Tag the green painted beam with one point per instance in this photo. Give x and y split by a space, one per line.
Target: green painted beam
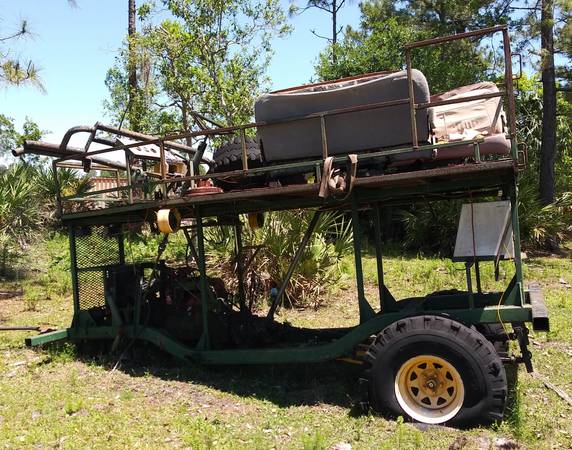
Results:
46 338
344 345
303 354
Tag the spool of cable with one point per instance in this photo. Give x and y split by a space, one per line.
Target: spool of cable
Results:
168 220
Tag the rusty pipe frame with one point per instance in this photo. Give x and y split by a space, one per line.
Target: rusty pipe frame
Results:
321 115
145 138
509 85
454 101
412 105
456 37
55 151
508 81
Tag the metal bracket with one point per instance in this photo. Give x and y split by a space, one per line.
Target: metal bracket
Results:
522 157
522 336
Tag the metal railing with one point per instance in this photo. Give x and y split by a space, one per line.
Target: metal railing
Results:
168 142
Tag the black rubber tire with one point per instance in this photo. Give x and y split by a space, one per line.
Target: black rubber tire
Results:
228 156
468 351
495 333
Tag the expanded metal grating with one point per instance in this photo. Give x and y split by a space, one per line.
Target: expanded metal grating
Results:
96 248
90 289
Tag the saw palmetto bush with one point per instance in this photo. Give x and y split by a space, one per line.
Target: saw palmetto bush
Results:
273 247
318 268
70 181
431 227
540 224
27 206
19 212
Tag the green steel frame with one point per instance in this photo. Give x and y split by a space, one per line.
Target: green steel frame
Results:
512 306
480 179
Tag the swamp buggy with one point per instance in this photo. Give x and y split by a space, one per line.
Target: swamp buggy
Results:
361 143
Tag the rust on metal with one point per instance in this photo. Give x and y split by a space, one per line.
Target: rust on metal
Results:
455 37
458 100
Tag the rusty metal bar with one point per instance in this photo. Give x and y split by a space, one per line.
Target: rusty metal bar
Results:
321 83
509 86
89 140
324 137
20 328
455 37
239 266
412 114
244 153
458 100
310 164
163 168
142 137
379 255
229 130
101 191
57 186
54 151
496 118
129 183
350 109
71 132
477 152
117 181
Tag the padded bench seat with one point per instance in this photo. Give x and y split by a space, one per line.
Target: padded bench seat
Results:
346 133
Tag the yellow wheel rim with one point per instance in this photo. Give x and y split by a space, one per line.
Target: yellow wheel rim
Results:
429 389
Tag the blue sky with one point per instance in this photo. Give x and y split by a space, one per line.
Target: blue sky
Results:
74 47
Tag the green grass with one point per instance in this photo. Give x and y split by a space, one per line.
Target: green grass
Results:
53 398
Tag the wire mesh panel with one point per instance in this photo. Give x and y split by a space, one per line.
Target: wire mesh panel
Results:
90 289
96 248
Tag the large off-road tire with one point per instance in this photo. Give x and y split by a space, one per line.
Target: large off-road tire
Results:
496 334
228 157
434 370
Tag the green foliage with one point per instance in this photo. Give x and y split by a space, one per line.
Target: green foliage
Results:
318 268
10 138
27 205
541 225
73 405
14 71
280 236
431 227
8 134
33 295
528 30
314 442
387 26
207 56
19 213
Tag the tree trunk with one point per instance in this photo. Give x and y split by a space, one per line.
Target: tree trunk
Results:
334 31
131 30
548 144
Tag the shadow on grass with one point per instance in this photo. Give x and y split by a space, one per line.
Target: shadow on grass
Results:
334 382
514 414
